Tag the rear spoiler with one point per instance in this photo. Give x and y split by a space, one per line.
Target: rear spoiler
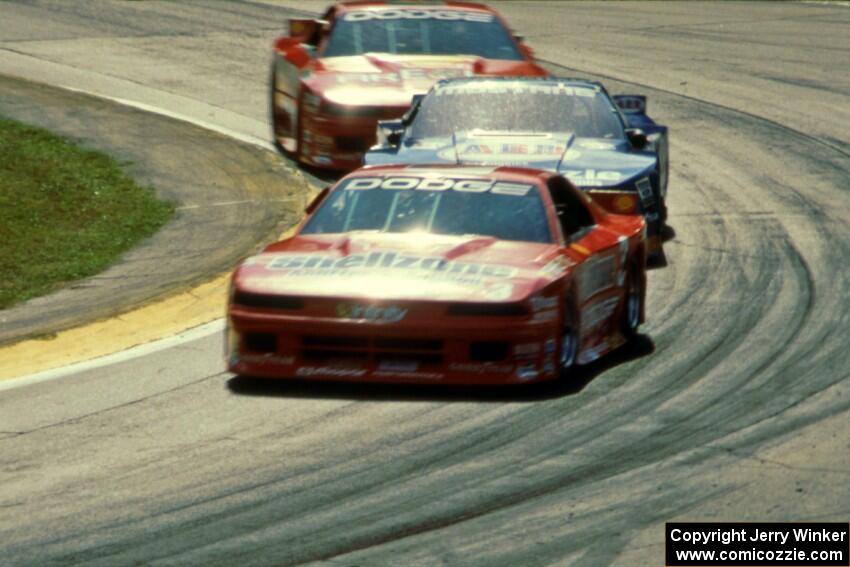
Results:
631 104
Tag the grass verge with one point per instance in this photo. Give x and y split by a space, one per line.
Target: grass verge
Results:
65 212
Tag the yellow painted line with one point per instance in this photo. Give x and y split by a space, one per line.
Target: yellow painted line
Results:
154 321
157 320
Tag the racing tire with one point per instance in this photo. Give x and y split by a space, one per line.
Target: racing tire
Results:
662 211
665 180
568 349
632 303
272 113
294 154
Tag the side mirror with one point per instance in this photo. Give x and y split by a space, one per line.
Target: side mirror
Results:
390 133
307 31
292 51
317 200
637 138
523 47
408 116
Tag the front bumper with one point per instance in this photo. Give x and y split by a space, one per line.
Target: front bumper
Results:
469 352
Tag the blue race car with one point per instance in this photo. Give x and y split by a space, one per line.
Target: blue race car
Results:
606 146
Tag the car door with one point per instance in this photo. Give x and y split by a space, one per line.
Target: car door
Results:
599 274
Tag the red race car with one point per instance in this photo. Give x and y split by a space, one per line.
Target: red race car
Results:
332 79
453 275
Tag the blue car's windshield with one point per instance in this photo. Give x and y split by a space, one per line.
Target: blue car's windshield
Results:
421 32
506 211
517 107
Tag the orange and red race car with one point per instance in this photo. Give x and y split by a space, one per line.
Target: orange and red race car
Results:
332 79
461 275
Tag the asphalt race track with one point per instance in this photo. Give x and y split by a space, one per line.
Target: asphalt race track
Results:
735 405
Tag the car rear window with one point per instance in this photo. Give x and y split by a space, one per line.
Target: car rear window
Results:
517 107
421 32
449 206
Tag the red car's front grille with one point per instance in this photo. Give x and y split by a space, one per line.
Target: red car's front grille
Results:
371 349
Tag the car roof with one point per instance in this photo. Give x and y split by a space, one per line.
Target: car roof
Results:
499 173
518 81
411 5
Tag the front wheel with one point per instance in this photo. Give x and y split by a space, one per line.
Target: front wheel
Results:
569 346
633 304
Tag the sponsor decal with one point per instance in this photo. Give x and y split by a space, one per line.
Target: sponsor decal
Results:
644 188
623 244
418 14
549 346
417 375
597 274
504 153
373 313
481 368
592 177
330 371
387 260
404 75
437 184
517 87
260 359
499 291
599 312
556 267
398 366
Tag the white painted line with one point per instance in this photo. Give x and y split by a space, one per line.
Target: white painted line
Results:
248 139
193 334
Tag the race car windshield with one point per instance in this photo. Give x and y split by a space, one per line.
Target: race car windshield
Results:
421 32
516 217
586 112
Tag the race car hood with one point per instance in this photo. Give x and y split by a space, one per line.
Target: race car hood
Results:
401 267
380 79
587 162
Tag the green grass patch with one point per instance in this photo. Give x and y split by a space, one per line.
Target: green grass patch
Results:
65 212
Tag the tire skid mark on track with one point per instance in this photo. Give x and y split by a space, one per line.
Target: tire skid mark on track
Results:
803 277
794 132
